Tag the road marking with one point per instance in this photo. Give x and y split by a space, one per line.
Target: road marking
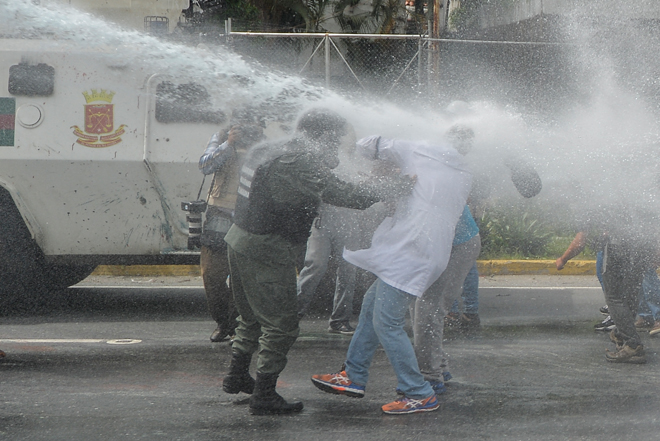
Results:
202 287
551 288
136 287
121 341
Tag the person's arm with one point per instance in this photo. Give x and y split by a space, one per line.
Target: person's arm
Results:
308 176
387 189
216 154
575 248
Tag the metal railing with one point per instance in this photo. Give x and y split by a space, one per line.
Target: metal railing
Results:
374 62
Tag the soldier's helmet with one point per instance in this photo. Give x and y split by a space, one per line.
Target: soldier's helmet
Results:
320 122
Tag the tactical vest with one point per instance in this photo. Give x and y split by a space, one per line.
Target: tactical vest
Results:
257 212
222 192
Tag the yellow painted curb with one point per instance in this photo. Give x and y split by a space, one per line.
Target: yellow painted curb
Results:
486 267
147 270
535 267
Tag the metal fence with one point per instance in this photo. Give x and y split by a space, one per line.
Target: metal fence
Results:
409 65
366 62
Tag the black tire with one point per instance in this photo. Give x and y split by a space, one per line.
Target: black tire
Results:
24 271
63 276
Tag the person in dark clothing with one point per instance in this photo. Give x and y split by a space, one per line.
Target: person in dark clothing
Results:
281 187
630 249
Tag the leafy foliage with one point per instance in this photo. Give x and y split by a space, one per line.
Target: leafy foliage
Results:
383 18
507 233
313 13
465 15
242 10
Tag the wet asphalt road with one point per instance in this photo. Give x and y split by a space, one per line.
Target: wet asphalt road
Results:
129 359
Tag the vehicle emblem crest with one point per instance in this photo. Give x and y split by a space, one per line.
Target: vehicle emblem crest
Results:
99 121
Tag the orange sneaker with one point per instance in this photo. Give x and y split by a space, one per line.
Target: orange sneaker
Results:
410 405
338 384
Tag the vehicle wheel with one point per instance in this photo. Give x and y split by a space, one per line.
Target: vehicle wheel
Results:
63 276
24 271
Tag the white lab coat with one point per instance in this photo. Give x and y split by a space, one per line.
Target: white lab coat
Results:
410 250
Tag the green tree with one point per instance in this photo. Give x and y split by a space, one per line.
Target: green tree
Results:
382 19
465 15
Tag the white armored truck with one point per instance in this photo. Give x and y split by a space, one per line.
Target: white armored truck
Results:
97 151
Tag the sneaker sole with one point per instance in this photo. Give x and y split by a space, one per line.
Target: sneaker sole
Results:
654 331
632 360
635 359
333 331
337 390
409 411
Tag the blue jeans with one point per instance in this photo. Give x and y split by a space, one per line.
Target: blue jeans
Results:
649 303
470 294
599 267
382 318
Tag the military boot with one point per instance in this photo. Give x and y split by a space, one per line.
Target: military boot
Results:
265 401
238 379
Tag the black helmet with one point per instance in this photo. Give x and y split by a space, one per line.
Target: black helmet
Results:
319 122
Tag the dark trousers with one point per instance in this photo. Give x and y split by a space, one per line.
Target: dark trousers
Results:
215 269
265 294
623 270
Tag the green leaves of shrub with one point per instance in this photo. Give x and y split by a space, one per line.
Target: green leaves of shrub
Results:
513 234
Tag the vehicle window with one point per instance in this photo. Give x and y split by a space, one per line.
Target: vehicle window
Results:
31 80
189 103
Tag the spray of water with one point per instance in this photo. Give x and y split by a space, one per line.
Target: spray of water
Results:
601 152
228 77
601 156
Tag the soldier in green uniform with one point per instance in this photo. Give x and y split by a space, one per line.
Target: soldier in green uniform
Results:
281 187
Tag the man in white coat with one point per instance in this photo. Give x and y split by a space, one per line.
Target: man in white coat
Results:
409 251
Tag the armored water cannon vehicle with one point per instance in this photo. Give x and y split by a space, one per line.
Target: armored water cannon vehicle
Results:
97 153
